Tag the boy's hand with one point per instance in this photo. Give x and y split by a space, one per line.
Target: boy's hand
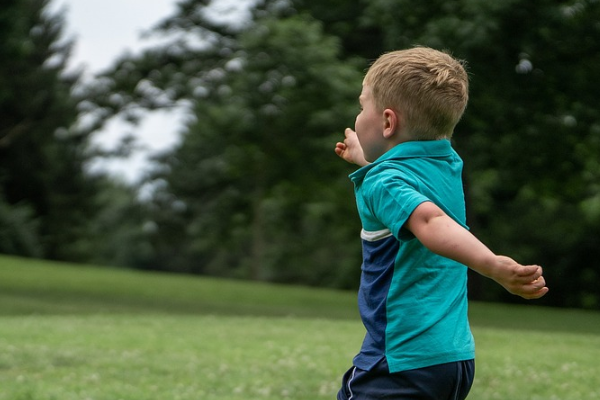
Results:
351 150
522 280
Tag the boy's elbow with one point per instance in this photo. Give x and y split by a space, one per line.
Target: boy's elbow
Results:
424 216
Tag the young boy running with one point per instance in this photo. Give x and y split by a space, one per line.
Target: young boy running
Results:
416 245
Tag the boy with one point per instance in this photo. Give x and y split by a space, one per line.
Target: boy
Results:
416 246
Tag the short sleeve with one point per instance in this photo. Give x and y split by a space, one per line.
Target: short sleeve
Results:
392 198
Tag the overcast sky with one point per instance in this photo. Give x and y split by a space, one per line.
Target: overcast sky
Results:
104 29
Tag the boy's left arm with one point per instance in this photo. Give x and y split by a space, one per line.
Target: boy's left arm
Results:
444 236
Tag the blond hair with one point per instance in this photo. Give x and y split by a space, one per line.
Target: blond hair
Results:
429 88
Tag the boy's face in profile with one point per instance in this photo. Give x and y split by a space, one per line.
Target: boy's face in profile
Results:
369 127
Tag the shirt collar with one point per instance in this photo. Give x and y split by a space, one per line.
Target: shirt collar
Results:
412 149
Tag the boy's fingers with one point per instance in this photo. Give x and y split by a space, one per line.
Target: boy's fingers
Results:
530 271
538 283
536 288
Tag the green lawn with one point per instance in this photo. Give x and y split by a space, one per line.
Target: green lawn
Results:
79 333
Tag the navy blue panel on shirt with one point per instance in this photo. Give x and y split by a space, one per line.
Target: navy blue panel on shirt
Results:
376 278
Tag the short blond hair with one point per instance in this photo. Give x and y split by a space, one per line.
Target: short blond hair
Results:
429 88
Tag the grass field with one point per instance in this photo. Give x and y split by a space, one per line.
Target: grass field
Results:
82 333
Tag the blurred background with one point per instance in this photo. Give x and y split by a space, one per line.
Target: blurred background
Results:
196 136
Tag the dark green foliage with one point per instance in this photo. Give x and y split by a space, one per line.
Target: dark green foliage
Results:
41 159
18 231
49 206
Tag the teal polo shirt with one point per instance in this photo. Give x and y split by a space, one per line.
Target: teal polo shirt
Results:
413 302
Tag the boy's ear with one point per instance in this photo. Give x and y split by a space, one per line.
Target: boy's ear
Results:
391 123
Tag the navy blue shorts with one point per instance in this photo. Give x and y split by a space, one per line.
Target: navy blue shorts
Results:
450 381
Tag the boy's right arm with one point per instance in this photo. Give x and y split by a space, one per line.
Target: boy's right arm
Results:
444 236
350 149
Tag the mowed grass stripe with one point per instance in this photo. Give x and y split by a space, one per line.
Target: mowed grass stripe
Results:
33 286
40 287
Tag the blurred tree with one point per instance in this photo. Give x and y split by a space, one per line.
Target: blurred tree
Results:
18 230
46 199
121 230
342 19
